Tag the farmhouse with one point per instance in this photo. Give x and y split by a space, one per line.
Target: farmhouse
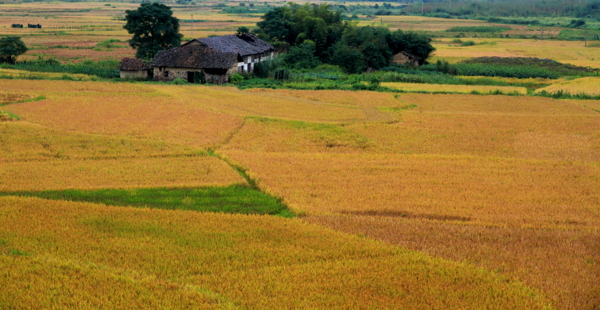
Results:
214 58
132 68
404 58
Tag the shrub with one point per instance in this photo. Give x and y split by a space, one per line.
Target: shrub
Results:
236 78
178 81
281 74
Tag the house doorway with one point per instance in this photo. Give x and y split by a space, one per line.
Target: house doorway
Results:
190 77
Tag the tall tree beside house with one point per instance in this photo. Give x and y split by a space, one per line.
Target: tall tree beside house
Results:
154 28
10 49
294 24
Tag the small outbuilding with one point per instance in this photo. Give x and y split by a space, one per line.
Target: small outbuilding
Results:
405 58
132 68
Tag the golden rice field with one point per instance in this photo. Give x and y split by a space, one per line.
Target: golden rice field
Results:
158 258
124 110
572 52
587 85
481 171
477 170
564 263
465 89
21 74
406 200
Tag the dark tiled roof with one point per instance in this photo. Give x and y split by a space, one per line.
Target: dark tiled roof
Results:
409 55
133 64
194 57
243 45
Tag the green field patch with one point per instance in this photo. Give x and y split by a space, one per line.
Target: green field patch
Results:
478 29
232 199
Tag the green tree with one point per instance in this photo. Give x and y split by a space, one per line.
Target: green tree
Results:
10 49
411 42
371 42
301 56
242 30
350 59
154 28
294 24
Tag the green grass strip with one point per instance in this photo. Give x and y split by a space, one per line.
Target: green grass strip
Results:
232 199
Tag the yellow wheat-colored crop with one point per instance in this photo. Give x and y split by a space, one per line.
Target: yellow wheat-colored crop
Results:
266 104
585 85
533 255
573 52
123 110
489 191
92 255
117 173
23 141
414 87
336 97
29 74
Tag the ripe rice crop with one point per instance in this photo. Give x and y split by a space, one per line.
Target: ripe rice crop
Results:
562 263
338 97
490 191
293 136
465 89
220 260
24 141
117 173
264 104
585 85
21 74
573 52
124 110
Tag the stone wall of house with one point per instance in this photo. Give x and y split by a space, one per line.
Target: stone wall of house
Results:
139 74
167 74
401 59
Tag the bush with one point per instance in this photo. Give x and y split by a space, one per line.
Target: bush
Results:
236 78
521 72
301 56
178 81
281 74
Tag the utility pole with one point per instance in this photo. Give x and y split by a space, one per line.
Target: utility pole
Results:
422 4
192 27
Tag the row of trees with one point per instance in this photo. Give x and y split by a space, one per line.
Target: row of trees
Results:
315 34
